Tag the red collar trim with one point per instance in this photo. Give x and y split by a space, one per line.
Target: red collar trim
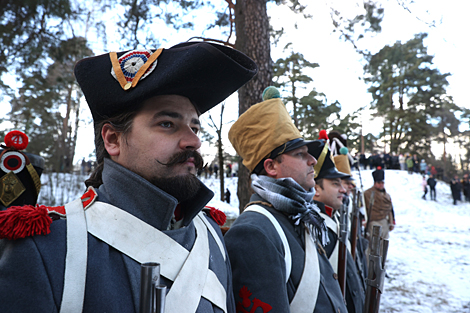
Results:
329 210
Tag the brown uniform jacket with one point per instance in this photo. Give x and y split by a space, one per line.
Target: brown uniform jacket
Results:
381 207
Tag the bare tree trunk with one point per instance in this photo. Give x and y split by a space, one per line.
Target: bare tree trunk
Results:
252 28
73 142
221 166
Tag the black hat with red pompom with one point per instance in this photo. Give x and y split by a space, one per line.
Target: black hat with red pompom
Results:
325 167
378 175
20 172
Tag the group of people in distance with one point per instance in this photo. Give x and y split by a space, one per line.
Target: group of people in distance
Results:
144 202
460 186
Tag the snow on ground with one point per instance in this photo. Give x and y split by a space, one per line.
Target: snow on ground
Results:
429 254
428 260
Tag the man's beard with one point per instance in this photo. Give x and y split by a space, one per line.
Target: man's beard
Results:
184 186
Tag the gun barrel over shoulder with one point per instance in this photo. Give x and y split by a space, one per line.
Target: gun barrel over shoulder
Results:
376 276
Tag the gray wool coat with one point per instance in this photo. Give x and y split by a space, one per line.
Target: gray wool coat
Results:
257 256
32 269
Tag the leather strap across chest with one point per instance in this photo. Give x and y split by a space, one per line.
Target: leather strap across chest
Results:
333 224
189 271
305 297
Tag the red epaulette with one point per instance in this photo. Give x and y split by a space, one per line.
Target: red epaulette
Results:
219 217
23 221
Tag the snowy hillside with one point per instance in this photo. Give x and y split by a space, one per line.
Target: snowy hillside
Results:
429 255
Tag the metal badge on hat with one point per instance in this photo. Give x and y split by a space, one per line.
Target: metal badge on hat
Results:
133 66
12 162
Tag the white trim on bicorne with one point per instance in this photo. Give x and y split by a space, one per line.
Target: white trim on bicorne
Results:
144 243
306 295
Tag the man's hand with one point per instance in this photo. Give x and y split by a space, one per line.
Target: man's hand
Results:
391 227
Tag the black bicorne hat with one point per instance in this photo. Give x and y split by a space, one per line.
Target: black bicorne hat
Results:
325 167
205 73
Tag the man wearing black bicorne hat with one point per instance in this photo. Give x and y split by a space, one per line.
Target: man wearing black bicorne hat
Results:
329 197
144 202
379 205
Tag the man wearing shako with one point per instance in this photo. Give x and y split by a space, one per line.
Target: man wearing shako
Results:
276 245
330 196
144 202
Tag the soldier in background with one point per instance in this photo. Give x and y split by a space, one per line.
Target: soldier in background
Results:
276 245
330 195
20 172
379 206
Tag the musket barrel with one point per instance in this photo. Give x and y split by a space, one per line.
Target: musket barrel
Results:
160 294
149 278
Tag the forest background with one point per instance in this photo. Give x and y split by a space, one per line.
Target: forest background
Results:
389 74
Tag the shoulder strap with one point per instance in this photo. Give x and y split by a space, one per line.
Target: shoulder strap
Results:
75 259
287 254
213 232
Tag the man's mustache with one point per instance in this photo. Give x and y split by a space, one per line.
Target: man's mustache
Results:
183 156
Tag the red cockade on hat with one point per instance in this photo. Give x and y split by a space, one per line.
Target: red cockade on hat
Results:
133 66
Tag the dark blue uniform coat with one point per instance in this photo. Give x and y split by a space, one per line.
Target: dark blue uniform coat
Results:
355 293
32 269
257 256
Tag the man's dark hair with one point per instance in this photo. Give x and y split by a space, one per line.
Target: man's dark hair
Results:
319 182
121 123
277 159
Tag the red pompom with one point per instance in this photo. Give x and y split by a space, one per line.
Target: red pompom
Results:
23 221
379 168
219 217
323 135
16 139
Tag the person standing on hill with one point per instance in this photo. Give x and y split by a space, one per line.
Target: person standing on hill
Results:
456 189
432 187
424 184
409 164
401 161
466 187
379 206
422 167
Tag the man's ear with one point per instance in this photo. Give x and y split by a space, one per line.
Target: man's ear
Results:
270 167
111 139
318 191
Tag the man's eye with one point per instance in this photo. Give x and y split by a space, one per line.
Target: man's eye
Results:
195 130
166 124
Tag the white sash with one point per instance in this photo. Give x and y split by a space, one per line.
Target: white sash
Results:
287 255
306 295
144 243
77 249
